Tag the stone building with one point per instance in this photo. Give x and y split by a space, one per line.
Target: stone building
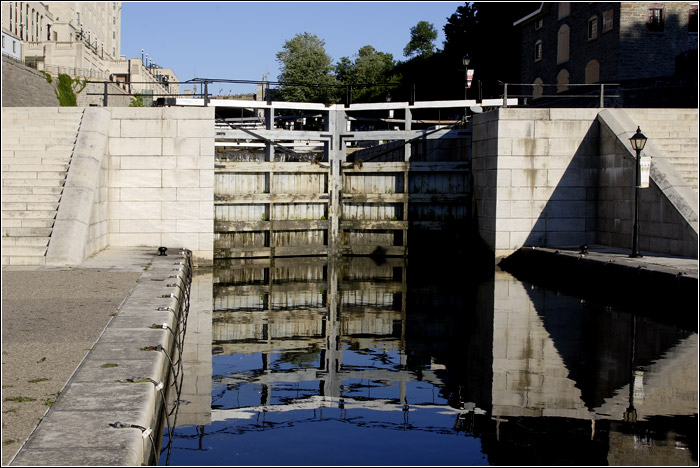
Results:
81 39
639 45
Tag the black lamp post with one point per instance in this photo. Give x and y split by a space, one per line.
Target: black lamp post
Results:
465 61
637 141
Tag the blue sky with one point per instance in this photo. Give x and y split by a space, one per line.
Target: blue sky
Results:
240 40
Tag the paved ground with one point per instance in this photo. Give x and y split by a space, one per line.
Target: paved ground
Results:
51 317
659 262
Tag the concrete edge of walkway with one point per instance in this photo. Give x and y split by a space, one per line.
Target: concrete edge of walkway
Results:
661 287
111 410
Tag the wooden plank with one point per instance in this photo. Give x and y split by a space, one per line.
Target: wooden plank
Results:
222 167
278 135
269 198
371 225
392 251
380 167
276 225
374 197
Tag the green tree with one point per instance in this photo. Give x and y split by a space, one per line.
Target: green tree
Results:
369 69
484 31
304 60
423 36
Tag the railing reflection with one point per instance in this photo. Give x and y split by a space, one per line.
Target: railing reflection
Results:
531 373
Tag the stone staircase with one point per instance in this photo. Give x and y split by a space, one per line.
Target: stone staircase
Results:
37 147
676 134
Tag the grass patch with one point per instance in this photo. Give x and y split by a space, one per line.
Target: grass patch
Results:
40 379
8 442
19 399
109 364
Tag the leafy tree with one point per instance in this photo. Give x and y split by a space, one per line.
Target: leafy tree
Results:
484 31
369 68
304 60
423 35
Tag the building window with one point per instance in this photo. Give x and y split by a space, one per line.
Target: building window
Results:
564 9
592 73
563 44
538 51
593 28
655 19
538 24
114 51
607 20
693 19
562 81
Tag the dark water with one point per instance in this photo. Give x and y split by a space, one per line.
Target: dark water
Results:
408 363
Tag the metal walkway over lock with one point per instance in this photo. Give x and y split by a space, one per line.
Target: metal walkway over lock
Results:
305 179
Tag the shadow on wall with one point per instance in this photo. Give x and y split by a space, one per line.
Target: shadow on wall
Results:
568 217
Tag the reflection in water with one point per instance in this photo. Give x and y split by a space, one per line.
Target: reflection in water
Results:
360 363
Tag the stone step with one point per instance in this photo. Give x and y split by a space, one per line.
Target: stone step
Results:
29 206
32 198
31 175
25 241
29 190
34 183
39 214
26 232
28 223
24 251
12 165
43 155
23 261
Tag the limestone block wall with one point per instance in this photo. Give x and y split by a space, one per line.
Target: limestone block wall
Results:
668 208
161 179
530 378
534 177
93 95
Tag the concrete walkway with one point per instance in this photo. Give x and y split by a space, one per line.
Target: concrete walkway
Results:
51 318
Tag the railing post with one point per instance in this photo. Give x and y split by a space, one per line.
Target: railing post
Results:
602 95
104 96
206 93
505 94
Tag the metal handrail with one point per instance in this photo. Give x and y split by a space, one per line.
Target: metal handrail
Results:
601 93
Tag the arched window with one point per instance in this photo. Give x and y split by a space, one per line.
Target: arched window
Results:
562 81
592 72
537 88
563 44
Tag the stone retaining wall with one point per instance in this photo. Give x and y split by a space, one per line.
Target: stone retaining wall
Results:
25 87
161 178
554 177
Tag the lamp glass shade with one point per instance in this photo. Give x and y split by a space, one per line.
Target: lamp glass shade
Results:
465 60
638 140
